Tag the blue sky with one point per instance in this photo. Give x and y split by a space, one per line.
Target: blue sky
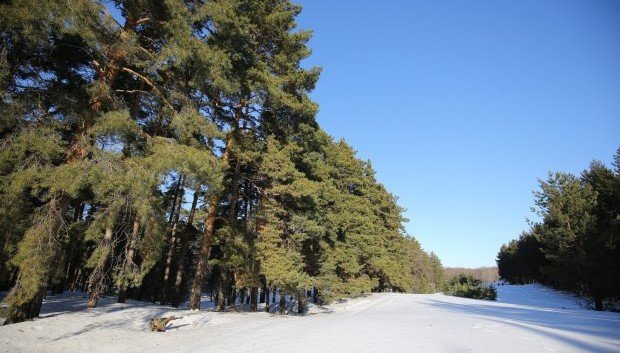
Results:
462 105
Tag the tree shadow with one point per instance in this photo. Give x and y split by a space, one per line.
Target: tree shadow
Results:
143 323
68 302
76 302
176 326
588 330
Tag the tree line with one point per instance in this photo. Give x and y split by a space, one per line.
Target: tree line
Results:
576 245
484 274
174 149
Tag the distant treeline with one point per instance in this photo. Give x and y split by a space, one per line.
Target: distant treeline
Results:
485 274
576 245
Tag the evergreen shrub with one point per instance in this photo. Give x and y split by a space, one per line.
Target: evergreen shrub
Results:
467 286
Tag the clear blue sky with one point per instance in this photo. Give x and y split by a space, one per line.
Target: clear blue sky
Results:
462 105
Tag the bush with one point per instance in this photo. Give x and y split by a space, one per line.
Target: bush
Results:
467 286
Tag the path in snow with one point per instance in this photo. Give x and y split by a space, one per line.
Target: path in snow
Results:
525 319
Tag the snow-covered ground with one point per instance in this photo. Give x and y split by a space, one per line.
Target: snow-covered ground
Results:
527 318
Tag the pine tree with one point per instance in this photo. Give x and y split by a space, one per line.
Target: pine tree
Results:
30 32
283 225
566 205
266 88
601 243
575 246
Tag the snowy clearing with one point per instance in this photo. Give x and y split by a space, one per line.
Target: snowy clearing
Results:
527 318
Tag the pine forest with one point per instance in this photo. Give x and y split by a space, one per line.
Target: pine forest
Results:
177 153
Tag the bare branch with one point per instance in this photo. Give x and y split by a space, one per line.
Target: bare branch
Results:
149 83
130 91
143 20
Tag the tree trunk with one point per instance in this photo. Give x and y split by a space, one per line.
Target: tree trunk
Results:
69 269
232 292
282 302
205 244
131 250
175 199
77 273
253 298
192 211
242 295
221 291
175 213
264 296
178 282
301 301
234 195
203 255
95 283
267 300
232 219
64 262
232 299
75 281
26 311
598 303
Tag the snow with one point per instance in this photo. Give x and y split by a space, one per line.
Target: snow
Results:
528 318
